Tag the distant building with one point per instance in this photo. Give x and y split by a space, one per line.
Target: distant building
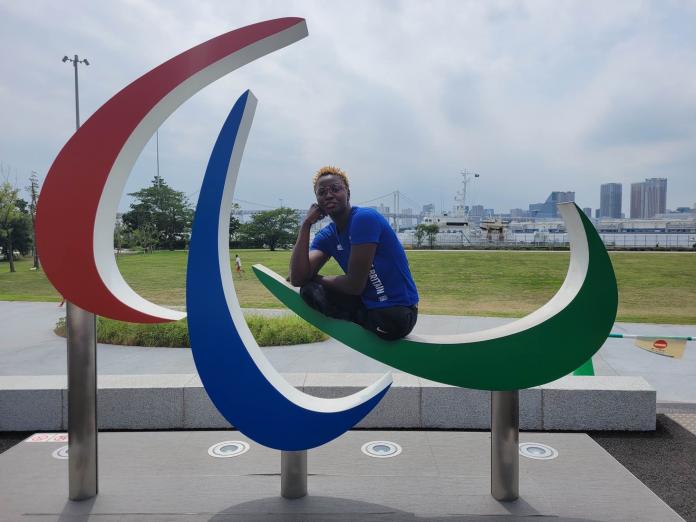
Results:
648 198
637 200
476 211
518 213
429 208
596 213
408 220
610 200
587 211
548 209
670 215
655 196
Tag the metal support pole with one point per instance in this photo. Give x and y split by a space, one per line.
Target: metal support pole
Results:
75 62
505 436
293 474
82 380
82 403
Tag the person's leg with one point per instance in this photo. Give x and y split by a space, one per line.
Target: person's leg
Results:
331 303
392 323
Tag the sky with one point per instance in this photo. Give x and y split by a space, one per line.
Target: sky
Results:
534 96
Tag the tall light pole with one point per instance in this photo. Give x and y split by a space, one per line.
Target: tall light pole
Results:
82 380
75 61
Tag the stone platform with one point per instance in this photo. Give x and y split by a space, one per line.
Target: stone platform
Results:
157 476
152 402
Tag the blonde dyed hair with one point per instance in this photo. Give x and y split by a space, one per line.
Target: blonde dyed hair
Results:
330 171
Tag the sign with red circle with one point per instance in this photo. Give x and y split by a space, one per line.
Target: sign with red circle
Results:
660 344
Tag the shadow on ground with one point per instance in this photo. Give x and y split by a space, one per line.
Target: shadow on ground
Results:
340 509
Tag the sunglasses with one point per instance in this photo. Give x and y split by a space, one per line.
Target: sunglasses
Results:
335 189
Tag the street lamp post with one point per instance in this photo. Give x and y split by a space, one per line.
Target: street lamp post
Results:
75 61
82 380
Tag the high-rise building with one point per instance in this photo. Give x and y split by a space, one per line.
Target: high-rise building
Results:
548 209
476 211
648 198
587 211
407 219
637 200
655 196
610 200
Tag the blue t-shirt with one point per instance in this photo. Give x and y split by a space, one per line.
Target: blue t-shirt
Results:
389 282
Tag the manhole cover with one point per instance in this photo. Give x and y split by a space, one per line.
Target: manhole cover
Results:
536 450
228 448
61 453
381 449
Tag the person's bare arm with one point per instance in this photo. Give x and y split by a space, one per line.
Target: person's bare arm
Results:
359 265
304 264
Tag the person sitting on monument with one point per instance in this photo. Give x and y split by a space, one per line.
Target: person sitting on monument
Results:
377 291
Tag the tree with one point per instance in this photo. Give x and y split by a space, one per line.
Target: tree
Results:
273 228
123 236
432 231
15 223
145 237
420 234
160 217
235 224
33 190
423 230
22 240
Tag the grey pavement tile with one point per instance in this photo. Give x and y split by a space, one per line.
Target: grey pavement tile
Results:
169 474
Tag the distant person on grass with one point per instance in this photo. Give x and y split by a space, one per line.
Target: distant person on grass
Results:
238 264
377 291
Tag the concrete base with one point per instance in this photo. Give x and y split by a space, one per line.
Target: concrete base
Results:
152 402
156 476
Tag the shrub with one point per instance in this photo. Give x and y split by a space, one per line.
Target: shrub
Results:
282 331
268 331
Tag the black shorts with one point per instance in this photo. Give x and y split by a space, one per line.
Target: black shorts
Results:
390 323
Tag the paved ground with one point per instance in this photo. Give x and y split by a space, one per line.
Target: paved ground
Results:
29 347
147 476
664 460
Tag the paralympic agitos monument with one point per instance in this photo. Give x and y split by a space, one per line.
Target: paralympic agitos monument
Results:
92 169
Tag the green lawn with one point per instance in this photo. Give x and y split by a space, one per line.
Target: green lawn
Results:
653 287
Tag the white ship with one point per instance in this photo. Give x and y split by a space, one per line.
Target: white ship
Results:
472 229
